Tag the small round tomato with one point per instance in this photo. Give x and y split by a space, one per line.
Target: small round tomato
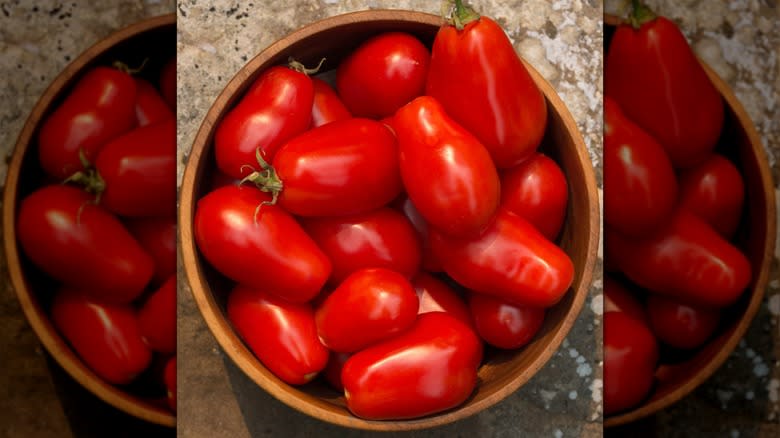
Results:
327 105
714 191
681 325
504 325
618 299
149 105
383 74
157 318
381 238
332 371
170 382
436 296
371 305
158 237
168 83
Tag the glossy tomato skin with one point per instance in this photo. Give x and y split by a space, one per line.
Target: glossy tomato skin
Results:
687 260
446 171
276 108
369 306
681 325
504 325
263 248
157 236
383 74
630 357
81 245
139 171
150 107
345 167
169 376
381 238
510 260
483 85
435 296
536 189
105 336
157 318
714 191
656 79
168 83
327 106
617 298
640 187
100 108
405 205
332 371
281 334
427 369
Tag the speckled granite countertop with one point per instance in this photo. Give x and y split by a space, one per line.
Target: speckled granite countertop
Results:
562 40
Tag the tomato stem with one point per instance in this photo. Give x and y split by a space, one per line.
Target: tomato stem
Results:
121 66
640 14
299 67
88 178
265 179
462 15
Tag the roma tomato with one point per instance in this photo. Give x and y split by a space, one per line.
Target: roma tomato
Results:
170 382
510 260
640 187
281 334
381 238
483 85
259 245
104 335
371 305
435 296
332 371
681 325
82 245
168 83
536 189
157 318
158 237
502 324
446 171
138 171
100 108
630 357
429 261
427 369
714 191
344 167
654 76
618 299
327 106
383 74
276 108
686 260
149 105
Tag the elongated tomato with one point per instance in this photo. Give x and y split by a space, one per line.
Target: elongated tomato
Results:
327 105
436 296
149 105
714 191
158 237
157 318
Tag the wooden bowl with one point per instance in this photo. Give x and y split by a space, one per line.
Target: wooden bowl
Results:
503 372
756 238
131 45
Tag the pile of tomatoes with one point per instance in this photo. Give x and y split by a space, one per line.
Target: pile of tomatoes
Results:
377 234
103 224
672 205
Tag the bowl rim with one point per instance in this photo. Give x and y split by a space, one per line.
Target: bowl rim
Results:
743 323
218 324
51 339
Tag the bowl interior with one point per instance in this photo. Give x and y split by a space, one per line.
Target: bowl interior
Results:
503 371
681 373
131 45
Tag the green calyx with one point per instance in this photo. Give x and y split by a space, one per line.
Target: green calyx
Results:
640 14
460 15
88 178
266 180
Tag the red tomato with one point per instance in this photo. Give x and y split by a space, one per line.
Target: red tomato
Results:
344 167
281 334
168 83
259 245
82 245
502 324
149 105
630 356
276 108
536 189
100 108
447 173
429 261
105 336
139 172
681 325
427 369
332 371
618 299
483 85
381 238
170 382
714 191
656 79
640 187
383 74
157 318
510 260
158 237
686 260
327 105
435 296
371 305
